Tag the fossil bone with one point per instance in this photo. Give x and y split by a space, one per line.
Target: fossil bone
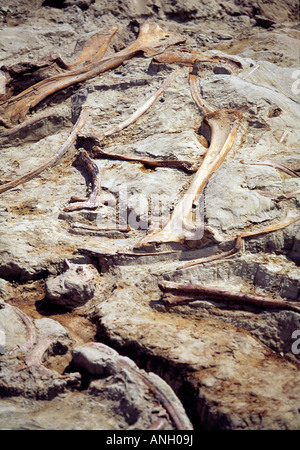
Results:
185 165
83 226
31 340
178 293
291 217
189 58
93 201
136 115
26 123
54 158
152 40
180 227
280 197
275 164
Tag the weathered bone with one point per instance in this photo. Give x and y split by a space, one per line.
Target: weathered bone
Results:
180 227
93 201
280 197
54 158
188 59
178 293
291 217
185 165
151 41
31 339
83 226
275 164
28 122
136 115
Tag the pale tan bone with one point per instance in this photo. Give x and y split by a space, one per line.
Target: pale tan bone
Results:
180 227
83 226
136 115
291 217
31 339
54 158
280 197
152 40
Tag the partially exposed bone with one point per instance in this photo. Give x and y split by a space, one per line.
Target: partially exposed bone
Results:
31 340
178 293
180 227
30 121
280 197
54 159
196 96
151 40
93 201
275 164
35 357
291 217
137 114
185 165
84 226
224 255
188 59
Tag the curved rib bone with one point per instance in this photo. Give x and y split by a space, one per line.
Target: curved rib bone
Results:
93 201
54 158
275 164
180 227
188 59
136 115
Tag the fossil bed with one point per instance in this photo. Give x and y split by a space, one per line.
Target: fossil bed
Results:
221 367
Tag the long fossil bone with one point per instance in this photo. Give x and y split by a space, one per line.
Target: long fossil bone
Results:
187 166
152 40
178 293
136 115
280 197
54 158
93 201
275 164
180 227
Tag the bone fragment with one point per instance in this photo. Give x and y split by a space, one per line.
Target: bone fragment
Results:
137 114
84 226
31 340
275 164
188 59
180 227
26 123
280 197
152 40
56 156
178 293
93 201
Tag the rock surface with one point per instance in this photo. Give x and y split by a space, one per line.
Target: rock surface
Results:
95 323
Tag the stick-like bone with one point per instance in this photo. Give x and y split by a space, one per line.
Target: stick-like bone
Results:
291 217
93 201
137 114
178 293
280 197
151 41
53 160
180 227
275 164
188 59
31 340
185 165
84 226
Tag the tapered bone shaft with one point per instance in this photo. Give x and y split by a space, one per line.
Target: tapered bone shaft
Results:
28 122
151 41
185 165
54 159
275 164
280 197
93 201
137 114
31 339
84 226
177 293
180 227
